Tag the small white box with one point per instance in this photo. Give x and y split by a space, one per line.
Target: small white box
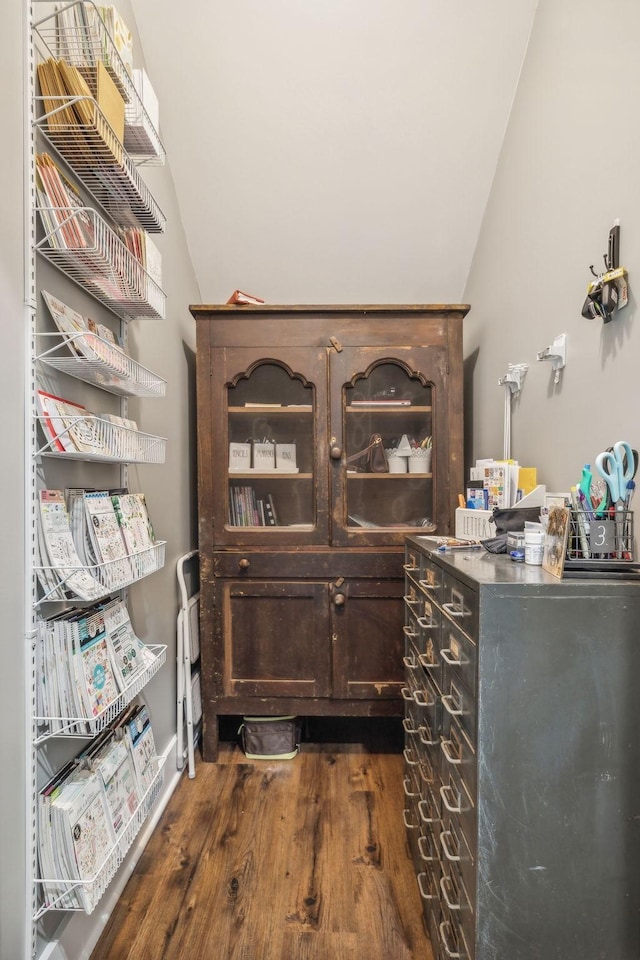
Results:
474 524
264 456
286 458
239 457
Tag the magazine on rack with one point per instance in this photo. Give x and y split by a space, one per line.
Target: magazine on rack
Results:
84 337
93 665
136 529
61 553
114 766
140 740
128 654
107 541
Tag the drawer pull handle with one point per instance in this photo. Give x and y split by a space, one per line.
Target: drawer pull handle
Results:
446 793
453 954
425 623
409 662
423 699
407 726
424 856
452 610
409 826
409 567
445 846
408 632
446 749
447 703
407 753
424 661
445 883
411 601
406 783
426 585
446 656
406 693
423 893
426 737
422 806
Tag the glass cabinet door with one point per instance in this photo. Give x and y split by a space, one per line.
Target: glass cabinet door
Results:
273 433
391 439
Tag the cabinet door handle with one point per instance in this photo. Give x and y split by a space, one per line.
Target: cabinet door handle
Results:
453 954
444 842
446 792
339 599
244 564
447 701
335 452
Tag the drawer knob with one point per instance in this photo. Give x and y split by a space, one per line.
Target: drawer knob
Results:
244 564
339 599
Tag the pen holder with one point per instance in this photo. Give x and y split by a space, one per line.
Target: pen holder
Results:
600 540
420 460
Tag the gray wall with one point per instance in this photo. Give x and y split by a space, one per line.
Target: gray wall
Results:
569 167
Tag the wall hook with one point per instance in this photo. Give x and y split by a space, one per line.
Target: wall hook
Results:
512 380
557 353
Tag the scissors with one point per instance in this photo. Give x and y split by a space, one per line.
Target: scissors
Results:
617 467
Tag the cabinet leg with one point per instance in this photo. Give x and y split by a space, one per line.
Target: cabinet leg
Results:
210 738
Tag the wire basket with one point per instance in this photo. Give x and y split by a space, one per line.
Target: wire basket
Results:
601 541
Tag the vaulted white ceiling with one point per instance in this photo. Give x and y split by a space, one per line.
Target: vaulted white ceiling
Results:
354 140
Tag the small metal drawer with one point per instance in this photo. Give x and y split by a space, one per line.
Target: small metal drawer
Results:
457 802
457 752
456 850
460 604
456 907
459 655
459 703
431 577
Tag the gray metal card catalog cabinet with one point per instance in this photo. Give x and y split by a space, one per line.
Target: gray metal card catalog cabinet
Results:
522 758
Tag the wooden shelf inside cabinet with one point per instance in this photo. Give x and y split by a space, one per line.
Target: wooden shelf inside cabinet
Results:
91 583
388 476
102 265
103 442
102 164
272 409
395 409
77 34
69 726
94 887
103 365
273 475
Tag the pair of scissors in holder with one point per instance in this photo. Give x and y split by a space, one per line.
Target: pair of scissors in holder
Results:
617 467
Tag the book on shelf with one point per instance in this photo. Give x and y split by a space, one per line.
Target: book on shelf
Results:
248 510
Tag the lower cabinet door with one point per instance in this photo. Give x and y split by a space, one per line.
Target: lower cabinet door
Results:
368 639
276 638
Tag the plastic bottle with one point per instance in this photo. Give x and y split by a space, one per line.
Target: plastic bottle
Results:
533 546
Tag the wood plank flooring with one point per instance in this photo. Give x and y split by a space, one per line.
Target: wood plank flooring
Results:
291 860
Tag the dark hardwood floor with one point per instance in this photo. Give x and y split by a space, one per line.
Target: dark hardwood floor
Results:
291 860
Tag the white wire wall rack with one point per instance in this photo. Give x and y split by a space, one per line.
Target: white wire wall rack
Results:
78 582
48 727
82 246
92 438
102 164
76 33
95 886
102 365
